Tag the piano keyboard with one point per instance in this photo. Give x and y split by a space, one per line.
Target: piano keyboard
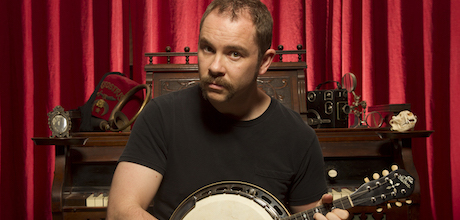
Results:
97 200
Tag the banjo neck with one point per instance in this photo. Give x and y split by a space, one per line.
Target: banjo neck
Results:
397 184
342 203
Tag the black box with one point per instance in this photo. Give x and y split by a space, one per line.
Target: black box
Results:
328 108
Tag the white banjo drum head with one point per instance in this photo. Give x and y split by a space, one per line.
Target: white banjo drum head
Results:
230 200
227 206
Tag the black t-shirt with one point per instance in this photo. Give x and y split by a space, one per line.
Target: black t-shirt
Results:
183 137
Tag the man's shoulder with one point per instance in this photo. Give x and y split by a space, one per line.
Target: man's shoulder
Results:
166 103
190 93
284 110
290 117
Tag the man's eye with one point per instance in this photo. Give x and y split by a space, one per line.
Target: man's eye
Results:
235 55
208 49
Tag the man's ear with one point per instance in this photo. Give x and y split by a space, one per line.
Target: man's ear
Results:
266 61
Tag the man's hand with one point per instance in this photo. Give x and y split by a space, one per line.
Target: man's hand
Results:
336 214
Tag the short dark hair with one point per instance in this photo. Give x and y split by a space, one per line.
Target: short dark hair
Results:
261 18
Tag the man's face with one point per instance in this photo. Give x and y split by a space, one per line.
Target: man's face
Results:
227 57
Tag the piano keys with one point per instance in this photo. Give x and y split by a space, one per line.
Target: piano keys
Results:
86 199
338 193
97 200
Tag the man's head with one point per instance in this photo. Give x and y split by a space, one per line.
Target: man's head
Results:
229 55
258 12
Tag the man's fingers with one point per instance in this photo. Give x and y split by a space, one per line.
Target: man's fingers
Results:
327 198
319 216
342 214
336 214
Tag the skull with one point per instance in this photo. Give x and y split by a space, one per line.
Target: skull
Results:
404 121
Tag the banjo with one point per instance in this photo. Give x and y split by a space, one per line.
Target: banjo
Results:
240 200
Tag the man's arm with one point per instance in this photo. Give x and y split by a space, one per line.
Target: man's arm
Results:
133 188
336 214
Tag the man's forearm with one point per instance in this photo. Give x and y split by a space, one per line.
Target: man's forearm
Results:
134 212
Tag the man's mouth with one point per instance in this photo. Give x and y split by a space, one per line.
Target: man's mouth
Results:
215 86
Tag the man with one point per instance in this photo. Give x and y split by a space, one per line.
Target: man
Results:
225 129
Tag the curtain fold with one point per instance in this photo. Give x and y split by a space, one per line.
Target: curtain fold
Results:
454 81
55 52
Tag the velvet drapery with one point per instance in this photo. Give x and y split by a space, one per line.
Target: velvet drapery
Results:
54 52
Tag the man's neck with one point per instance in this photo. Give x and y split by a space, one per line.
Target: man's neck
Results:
245 107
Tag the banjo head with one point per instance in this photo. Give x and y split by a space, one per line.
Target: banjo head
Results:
230 200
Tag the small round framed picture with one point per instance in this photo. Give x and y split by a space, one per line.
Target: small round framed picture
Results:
59 122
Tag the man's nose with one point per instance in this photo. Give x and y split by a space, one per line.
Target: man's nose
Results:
217 68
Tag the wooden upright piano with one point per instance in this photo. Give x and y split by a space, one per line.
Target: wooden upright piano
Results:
85 162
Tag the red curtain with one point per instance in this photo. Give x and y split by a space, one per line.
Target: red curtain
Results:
401 51
54 52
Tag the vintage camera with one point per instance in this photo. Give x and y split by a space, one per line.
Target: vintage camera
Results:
328 108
